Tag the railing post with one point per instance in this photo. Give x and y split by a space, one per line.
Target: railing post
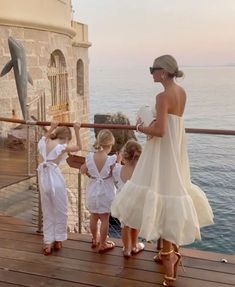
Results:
79 202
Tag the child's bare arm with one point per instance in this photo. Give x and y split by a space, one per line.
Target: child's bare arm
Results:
53 126
78 146
84 169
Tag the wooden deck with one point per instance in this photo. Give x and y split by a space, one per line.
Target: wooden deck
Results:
22 264
13 166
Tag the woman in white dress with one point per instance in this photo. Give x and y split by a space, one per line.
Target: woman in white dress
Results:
53 149
100 190
160 199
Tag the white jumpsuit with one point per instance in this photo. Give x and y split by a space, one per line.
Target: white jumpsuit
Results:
53 193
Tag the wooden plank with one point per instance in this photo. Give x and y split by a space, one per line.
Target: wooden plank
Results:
69 274
12 278
144 260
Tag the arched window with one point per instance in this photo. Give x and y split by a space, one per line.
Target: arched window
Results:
80 78
58 77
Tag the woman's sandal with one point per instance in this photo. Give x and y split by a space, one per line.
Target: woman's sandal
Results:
57 245
47 249
108 245
157 258
138 248
168 280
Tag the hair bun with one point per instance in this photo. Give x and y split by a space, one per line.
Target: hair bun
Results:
179 74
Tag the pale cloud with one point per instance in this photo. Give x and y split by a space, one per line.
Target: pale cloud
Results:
135 31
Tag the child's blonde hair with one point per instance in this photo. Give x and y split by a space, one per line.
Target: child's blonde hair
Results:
131 151
104 138
61 133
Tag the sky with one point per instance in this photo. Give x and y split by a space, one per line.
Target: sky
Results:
134 32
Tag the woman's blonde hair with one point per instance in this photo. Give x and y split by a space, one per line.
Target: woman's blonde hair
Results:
104 138
61 133
169 64
131 150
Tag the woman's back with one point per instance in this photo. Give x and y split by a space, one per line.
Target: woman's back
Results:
176 99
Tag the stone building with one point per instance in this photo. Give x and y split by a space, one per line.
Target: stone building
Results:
57 60
57 57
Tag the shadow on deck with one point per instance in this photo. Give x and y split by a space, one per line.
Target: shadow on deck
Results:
22 264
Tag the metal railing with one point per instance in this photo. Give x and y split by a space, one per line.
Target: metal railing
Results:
27 190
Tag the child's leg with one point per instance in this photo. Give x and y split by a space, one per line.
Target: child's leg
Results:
104 227
136 246
126 240
133 234
94 217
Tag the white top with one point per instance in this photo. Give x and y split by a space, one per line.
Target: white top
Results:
48 171
117 177
160 199
100 190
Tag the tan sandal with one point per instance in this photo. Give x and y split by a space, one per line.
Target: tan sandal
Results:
157 258
47 249
57 245
138 248
108 245
168 280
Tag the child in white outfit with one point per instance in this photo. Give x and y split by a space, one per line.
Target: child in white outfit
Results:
100 190
130 154
53 149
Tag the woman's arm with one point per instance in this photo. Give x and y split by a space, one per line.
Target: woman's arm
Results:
157 127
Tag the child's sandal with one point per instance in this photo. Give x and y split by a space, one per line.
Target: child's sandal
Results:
57 245
47 249
108 245
126 253
138 248
94 243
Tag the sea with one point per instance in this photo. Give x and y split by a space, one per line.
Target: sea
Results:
210 105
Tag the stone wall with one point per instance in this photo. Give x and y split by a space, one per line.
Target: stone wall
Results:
39 44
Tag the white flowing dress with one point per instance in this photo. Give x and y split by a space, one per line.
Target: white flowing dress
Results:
53 193
160 199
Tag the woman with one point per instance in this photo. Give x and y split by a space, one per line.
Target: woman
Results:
160 199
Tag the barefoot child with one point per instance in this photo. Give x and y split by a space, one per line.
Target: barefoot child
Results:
53 149
121 173
100 190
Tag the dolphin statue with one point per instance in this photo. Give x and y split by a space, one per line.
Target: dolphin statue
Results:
18 63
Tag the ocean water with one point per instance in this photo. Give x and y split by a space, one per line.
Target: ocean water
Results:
210 104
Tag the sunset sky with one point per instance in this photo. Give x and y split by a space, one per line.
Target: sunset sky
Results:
134 32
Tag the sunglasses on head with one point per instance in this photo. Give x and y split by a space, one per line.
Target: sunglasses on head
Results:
152 69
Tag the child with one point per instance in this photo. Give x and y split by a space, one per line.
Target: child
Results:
100 190
121 173
53 149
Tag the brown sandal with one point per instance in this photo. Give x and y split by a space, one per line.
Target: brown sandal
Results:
47 249
108 245
57 245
